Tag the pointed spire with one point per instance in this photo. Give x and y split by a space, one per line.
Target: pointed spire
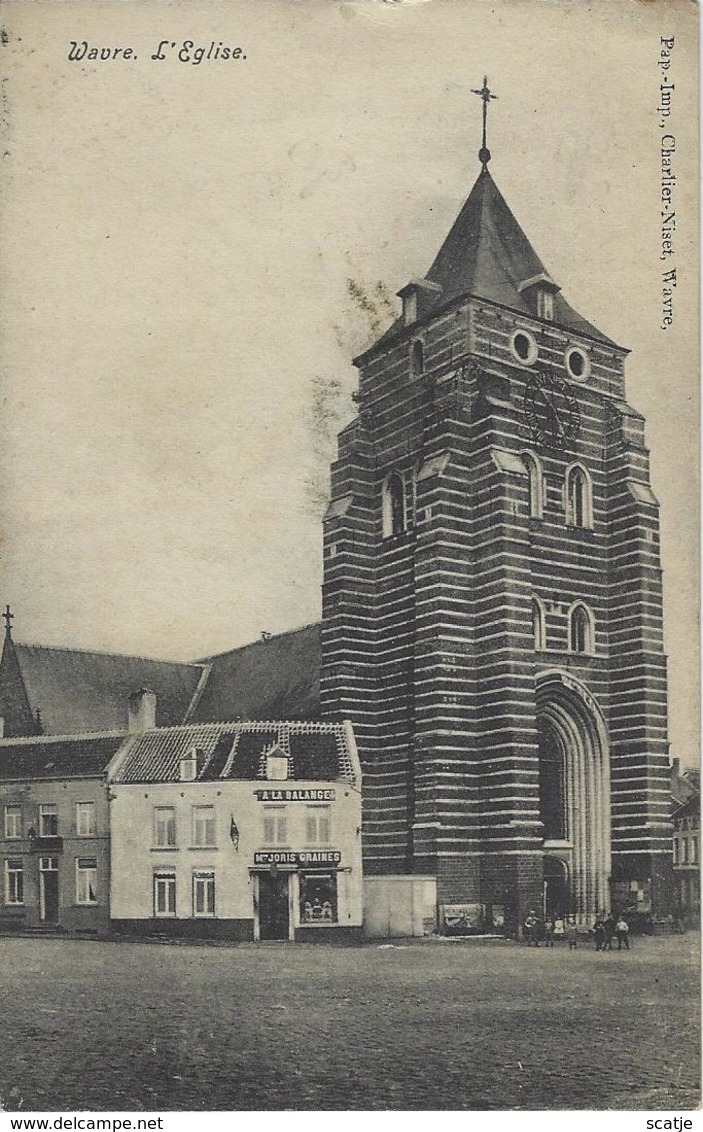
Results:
484 153
8 616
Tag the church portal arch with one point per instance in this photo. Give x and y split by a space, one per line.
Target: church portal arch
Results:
574 786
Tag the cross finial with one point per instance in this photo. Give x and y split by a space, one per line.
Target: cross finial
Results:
8 615
484 153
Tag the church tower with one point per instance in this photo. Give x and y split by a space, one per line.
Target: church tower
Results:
492 609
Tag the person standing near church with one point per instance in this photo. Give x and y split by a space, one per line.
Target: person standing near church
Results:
622 930
609 928
572 933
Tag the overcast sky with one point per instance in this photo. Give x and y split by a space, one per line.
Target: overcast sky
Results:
177 242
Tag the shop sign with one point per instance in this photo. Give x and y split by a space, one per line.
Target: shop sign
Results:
305 858
293 794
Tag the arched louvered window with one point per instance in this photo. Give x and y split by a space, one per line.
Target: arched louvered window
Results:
393 505
535 484
539 629
582 637
579 497
417 358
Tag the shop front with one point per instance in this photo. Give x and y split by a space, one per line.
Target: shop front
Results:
302 895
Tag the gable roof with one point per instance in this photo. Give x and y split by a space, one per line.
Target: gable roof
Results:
317 752
274 678
52 757
76 690
487 255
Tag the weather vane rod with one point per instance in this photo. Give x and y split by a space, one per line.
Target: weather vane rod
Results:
484 153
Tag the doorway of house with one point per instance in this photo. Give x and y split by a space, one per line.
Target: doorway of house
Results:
49 890
274 912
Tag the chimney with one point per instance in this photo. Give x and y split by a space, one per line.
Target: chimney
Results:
142 710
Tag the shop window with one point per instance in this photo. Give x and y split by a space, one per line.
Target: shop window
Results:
317 825
85 819
13 822
203 893
14 881
86 880
165 893
48 821
535 484
539 631
275 826
581 630
579 497
203 826
318 898
393 505
164 827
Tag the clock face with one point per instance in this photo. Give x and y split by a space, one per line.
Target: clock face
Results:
551 410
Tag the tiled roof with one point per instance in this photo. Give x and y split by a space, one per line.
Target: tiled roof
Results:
274 678
316 751
487 255
78 691
84 756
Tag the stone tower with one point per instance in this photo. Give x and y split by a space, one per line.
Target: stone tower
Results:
492 610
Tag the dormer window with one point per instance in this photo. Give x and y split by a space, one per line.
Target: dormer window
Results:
417 296
545 304
191 765
276 764
538 292
410 308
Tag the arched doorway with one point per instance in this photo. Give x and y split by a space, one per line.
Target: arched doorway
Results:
574 794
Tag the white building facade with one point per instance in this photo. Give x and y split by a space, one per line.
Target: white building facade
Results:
241 831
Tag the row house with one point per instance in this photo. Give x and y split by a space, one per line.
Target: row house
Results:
233 830
54 836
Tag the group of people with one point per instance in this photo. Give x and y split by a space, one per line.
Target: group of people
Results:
554 929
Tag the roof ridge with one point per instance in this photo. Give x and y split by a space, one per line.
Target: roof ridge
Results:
257 641
106 652
315 723
88 736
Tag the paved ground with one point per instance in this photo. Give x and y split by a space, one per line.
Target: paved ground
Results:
436 1025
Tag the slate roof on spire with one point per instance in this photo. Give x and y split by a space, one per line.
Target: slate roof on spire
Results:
487 255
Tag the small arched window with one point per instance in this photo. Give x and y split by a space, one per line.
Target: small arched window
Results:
393 505
579 497
535 478
582 637
417 358
539 629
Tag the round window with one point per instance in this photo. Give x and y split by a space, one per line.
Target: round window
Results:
577 363
524 347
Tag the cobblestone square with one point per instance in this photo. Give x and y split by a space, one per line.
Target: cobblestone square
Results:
430 1025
